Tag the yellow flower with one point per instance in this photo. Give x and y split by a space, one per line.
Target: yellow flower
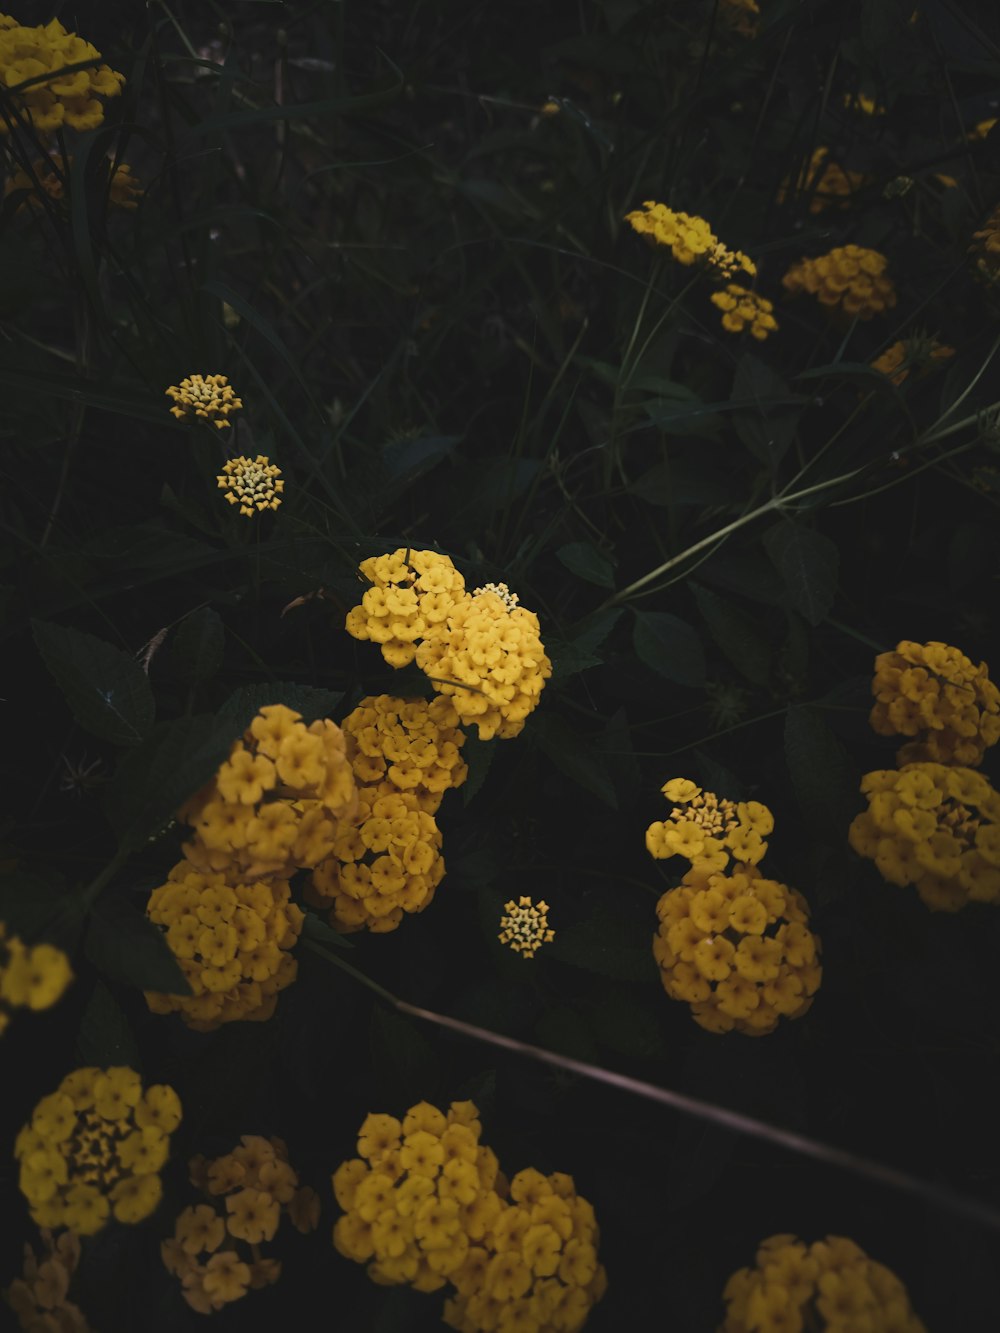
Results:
689 239
33 976
253 1215
226 1277
849 279
708 830
28 53
135 1197
250 483
918 353
745 309
411 594
827 184
526 926
208 398
408 745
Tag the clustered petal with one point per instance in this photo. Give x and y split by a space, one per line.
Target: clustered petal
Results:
936 827
411 594
709 830
69 99
426 1206
95 1147
406 745
689 239
209 398
831 1284
935 694
918 354
257 1184
250 483
39 1297
526 926
49 176
31 976
850 279
743 309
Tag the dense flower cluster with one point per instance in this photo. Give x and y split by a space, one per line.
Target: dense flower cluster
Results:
709 830
38 1297
32 976
830 1286
48 177
425 1204
258 1184
688 238
95 1146
487 657
826 182
849 278
738 948
743 309
252 483
917 354
936 827
386 862
407 745
934 693
233 943
412 593
64 98
985 247
276 803
209 398
526 926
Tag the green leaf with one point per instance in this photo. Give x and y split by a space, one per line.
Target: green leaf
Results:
315 928
124 944
607 943
737 634
670 646
570 656
106 689
573 756
769 429
706 477
824 778
105 1037
479 756
197 646
244 704
808 564
587 562
406 460
403 1056
35 906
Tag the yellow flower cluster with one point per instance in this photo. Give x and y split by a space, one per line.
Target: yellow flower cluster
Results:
708 830
250 483
849 278
412 593
231 941
95 1146
985 247
743 308
209 398
258 1184
488 657
934 693
917 354
32 976
385 863
425 1204
44 179
828 184
275 805
737 947
525 927
61 99
406 745
689 239
829 1285
38 1297
936 827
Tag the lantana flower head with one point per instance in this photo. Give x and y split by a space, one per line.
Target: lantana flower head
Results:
94 1148
487 657
39 1297
275 805
31 976
252 483
407 745
937 695
849 279
745 309
737 948
48 177
917 354
69 99
936 827
411 595
215 1248
690 239
827 184
829 1285
525 926
708 829
232 941
208 398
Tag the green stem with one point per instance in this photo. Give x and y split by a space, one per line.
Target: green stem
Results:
356 973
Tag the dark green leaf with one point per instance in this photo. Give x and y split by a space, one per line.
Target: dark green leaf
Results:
808 563
587 562
479 756
825 779
608 944
124 944
769 428
573 756
35 905
403 1056
106 689
243 704
670 646
579 652
105 1037
737 634
705 477
197 646
406 460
